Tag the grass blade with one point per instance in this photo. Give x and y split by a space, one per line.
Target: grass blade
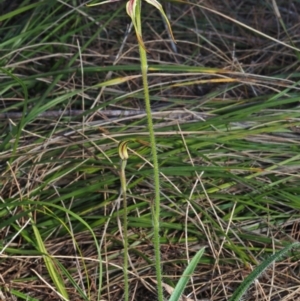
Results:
55 276
186 276
238 294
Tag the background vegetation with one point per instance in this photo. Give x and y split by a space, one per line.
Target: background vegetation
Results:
225 102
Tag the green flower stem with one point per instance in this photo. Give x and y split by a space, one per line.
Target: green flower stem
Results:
125 232
156 206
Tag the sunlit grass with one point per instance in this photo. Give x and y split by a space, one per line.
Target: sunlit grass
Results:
228 150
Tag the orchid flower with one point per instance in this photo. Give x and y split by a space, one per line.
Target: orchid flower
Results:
134 12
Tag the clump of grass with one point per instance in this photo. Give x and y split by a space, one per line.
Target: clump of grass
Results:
225 113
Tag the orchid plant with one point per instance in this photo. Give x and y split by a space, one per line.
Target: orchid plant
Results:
134 12
133 9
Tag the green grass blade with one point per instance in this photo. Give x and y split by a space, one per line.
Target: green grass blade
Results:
186 276
19 11
71 279
22 296
54 274
249 280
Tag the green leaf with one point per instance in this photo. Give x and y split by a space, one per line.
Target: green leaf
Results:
186 276
249 280
156 4
19 11
54 274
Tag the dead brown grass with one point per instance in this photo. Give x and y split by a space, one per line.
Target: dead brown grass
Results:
203 39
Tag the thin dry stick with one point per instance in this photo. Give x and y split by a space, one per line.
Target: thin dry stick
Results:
175 114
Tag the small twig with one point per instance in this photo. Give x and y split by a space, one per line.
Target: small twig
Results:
175 113
72 113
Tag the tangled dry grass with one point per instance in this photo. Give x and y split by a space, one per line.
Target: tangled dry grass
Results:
226 103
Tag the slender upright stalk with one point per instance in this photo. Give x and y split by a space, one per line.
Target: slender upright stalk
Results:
156 205
125 225
133 8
